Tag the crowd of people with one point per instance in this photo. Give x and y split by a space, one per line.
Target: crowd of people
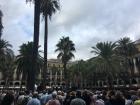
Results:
77 97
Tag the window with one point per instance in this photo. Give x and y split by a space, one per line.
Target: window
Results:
48 64
53 65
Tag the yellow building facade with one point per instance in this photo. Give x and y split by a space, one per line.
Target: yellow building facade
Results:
55 72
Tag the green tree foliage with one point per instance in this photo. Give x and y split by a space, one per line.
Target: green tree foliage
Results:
83 71
49 7
106 59
24 61
127 49
111 60
65 47
7 65
5 49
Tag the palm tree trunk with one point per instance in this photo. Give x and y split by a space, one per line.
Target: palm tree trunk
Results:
45 49
31 76
131 67
1 26
65 74
138 64
21 84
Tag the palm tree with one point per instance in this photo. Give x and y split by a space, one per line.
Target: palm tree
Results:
106 60
24 62
5 49
1 26
48 7
31 81
127 49
6 60
65 47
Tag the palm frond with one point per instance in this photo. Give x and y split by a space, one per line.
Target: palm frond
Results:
49 7
65 47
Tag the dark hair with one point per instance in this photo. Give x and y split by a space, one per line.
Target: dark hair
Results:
118 95
50 91
111 93
78 94
27 92
8 99
35 95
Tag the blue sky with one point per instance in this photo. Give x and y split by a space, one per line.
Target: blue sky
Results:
86 22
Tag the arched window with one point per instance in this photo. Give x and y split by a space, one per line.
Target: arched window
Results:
134 81
3 83
114 82
17 83
121 82
100 83
10 83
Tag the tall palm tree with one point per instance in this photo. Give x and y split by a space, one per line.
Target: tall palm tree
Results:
24 62
106 60
48 8
8 68
31 81
5 49
6 60
1 26
127 49
65 47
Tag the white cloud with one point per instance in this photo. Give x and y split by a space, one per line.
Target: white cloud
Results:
86 22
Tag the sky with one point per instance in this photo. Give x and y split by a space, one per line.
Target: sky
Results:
86 22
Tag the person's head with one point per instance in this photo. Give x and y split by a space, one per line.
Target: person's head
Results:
59 93
85 93
78 94
118 95
27 92
111 94
35 95
72 94
8 99
44 91
50 91
94 97
54 95
104 93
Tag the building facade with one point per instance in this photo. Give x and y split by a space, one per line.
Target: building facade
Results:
55 73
